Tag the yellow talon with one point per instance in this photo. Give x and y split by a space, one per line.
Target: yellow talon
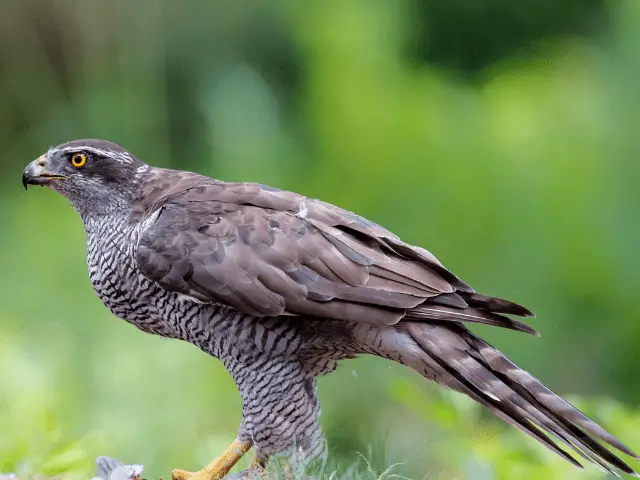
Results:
217 469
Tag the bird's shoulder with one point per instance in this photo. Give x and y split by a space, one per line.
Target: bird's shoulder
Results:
199 195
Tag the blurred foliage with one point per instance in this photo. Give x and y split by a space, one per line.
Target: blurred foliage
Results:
32 441
500 135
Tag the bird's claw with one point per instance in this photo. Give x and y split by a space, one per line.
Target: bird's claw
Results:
181 475
219 468
254 473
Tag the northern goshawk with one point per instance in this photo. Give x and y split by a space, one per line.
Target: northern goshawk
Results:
280 287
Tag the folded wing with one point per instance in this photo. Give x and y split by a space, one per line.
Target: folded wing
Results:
269 252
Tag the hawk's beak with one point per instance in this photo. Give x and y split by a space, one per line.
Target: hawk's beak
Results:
36 173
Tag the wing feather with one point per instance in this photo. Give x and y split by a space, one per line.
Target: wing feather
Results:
270 252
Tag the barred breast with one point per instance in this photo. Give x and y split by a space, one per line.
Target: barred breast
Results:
116 281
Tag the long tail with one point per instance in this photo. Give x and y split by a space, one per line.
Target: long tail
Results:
461 360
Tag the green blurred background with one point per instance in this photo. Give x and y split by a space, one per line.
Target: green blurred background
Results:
501 135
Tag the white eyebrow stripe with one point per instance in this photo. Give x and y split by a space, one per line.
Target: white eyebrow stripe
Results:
117 156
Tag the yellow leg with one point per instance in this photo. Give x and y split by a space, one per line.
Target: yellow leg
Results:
219 467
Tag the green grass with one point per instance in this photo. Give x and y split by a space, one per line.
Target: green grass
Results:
35 446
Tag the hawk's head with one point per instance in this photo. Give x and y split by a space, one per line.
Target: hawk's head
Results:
95 175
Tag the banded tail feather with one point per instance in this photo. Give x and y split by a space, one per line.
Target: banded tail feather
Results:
468 364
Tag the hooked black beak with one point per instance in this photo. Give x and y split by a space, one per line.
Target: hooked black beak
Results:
35 174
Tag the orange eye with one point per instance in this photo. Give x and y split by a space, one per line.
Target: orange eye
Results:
78 160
